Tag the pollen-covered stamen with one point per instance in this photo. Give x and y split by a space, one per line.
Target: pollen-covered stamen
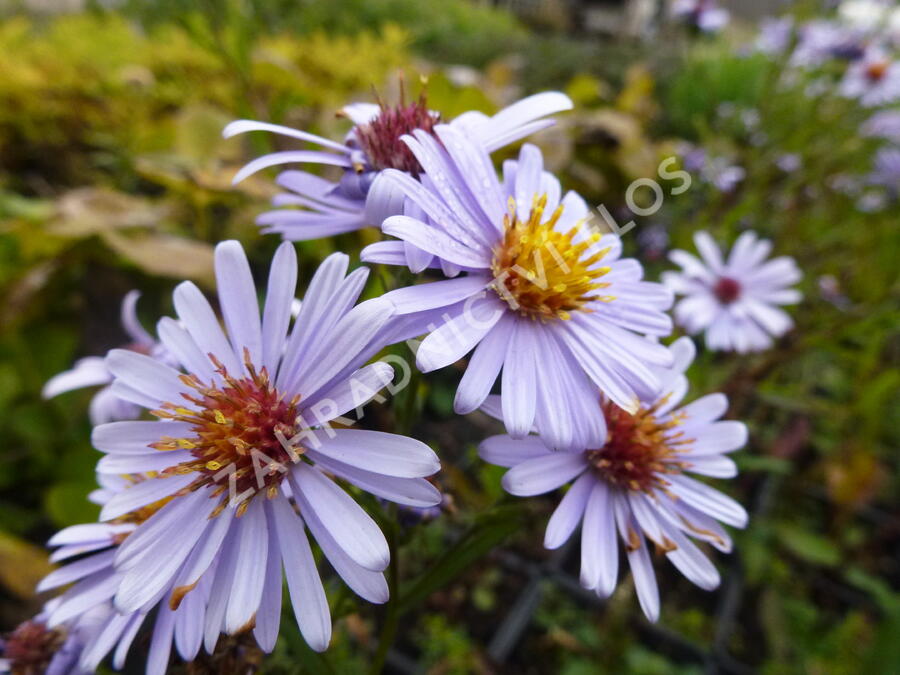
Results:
544 273
236 430
31 646
380 138
727 290
640 449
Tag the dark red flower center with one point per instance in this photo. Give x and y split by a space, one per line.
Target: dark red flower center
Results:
639 449
380 138
727 290
877 71
31 647
236 428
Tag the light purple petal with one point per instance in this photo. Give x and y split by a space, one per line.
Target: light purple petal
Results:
365 583
504 450
246 594
237 298
379 452
200 321
135 437
459 334
435 294
519 381
304 584
543 474
243 126
289 157
88 372
352 528
146 375
568 513
415 492
484 367
599 543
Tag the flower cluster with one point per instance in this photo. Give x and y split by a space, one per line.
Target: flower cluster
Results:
227 446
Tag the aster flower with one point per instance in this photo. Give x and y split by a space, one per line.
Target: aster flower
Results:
243 454
874 79
883 124
734 300
820 40
372 145
91 371
635 486
775 35
887 169
84 612
705 15
35 649
866 15
545 297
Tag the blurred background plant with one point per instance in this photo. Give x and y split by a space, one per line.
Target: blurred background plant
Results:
113 176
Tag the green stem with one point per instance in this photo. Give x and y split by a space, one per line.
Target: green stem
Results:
392 617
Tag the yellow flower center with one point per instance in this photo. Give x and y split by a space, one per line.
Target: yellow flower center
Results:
543 273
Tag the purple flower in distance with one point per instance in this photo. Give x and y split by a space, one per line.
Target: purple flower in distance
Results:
887 169
705 15
874 80
243 444
883 124
634 486
545 298
775 35
318 208
735 300
91 371
821 40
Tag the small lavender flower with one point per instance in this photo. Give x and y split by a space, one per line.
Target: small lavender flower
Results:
714 170
887 169
733 301
775 35
241 450
705 15
883 124
634 486
789 162
874 80
91 371
545 298
373 145
820 41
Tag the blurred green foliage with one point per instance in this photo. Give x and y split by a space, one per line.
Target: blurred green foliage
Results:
113 176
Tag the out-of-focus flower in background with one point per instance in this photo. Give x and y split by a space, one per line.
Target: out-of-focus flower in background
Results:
874 79
91 371
734 300
705 15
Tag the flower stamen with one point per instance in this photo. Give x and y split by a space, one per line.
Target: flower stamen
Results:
543 273
237 427
640 448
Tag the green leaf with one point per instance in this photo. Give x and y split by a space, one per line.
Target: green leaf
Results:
488 531
808 546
